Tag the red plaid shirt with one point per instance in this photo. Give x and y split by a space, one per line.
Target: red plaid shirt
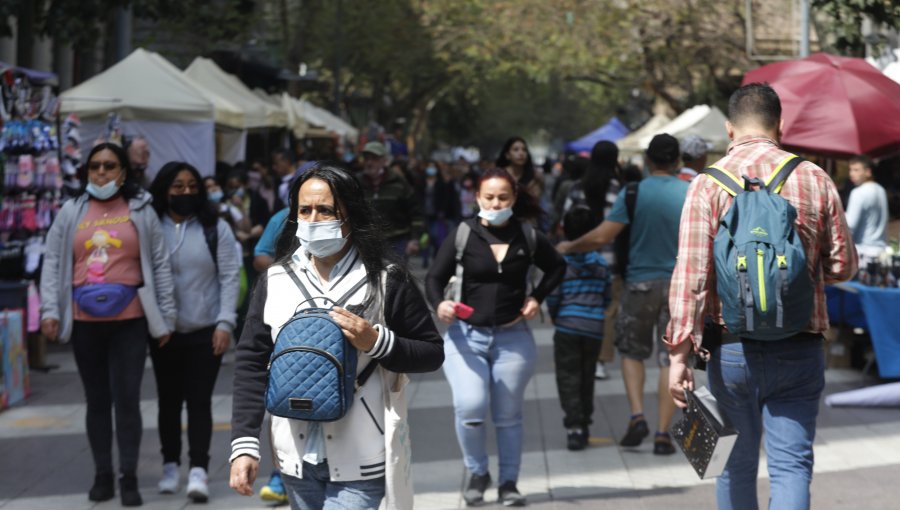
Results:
823 231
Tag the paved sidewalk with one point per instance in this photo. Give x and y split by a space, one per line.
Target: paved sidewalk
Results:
46 463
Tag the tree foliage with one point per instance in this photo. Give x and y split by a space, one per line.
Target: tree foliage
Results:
843 21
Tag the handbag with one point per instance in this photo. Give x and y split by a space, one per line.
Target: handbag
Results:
398 482
104 299
704 434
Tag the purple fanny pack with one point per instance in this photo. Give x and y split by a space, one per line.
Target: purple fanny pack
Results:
104 299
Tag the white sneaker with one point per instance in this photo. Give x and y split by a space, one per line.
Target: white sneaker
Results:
197 488
171 477
600 373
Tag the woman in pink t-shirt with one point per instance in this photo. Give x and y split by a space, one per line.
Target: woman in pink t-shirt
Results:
107 286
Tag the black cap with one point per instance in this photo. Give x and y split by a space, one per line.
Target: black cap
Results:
663 150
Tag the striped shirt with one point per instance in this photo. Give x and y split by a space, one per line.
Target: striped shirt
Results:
578 305
831 255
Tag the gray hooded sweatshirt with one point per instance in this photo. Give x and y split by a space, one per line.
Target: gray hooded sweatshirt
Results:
157 292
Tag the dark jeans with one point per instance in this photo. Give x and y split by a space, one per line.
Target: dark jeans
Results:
186 371
575 357
110 357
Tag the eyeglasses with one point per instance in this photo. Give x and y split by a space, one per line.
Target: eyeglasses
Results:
109 166
180 187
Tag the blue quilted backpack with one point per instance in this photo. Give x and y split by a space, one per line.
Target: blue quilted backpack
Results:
312 371
761 271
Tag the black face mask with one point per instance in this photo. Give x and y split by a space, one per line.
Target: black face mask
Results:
185 205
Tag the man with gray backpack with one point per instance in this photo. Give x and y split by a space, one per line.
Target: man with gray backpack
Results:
762 232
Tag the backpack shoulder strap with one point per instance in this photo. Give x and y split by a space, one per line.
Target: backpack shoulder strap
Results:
343 299
211 234
462 237
530 238
631 194
784 169
296 279
725 180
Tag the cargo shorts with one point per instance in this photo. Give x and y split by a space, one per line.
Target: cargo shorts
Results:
644 307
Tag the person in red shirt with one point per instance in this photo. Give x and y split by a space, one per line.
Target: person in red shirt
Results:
771 386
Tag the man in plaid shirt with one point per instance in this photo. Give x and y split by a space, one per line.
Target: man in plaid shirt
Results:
773 386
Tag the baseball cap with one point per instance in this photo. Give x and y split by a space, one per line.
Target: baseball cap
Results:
376 148
663 149
694 147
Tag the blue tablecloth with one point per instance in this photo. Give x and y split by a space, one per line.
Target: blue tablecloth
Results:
875 309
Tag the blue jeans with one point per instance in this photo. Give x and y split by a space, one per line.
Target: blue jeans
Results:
489 366
316 491
772 387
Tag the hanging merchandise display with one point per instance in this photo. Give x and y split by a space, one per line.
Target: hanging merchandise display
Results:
34 171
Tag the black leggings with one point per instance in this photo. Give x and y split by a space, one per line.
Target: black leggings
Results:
110 356
186 371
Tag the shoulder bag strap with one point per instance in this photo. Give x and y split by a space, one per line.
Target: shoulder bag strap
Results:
631 193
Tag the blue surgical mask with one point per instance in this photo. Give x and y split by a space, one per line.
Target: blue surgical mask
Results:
215 196
431 171
104 192
321 238
496 217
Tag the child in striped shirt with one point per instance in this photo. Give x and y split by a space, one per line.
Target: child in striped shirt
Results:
577 308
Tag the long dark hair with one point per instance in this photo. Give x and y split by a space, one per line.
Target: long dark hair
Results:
503 161
526 206
159 188
132 185
602 169
365 225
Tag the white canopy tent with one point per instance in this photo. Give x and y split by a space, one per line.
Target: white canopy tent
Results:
153 100
257 112
631 144
704 120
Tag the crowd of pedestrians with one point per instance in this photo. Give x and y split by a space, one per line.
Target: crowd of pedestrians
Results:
186 266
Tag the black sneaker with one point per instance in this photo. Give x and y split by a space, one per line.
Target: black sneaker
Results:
575 439
104 487
662 444
509 495
128 488
474 494
637 431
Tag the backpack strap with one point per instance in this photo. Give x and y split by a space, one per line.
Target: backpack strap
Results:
211 234
296 279
530 238
462 237
782 172
631 194
343 299
725 180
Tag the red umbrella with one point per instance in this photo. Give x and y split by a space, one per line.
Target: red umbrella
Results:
836 106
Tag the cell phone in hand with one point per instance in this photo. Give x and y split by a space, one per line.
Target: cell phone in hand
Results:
463 311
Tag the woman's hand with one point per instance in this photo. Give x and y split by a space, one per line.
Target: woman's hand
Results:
50 329
530 309
163 340
243 474
446 311
356 329
220 342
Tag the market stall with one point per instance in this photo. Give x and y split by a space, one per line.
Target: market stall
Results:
154 100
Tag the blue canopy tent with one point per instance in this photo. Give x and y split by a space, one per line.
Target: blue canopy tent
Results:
611 131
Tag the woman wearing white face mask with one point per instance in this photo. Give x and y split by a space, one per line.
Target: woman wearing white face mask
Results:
106 284
490 352
331 243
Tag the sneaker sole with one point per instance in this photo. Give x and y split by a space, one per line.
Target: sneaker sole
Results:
198 497
168 491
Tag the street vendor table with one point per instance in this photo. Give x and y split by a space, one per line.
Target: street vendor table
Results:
875 309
